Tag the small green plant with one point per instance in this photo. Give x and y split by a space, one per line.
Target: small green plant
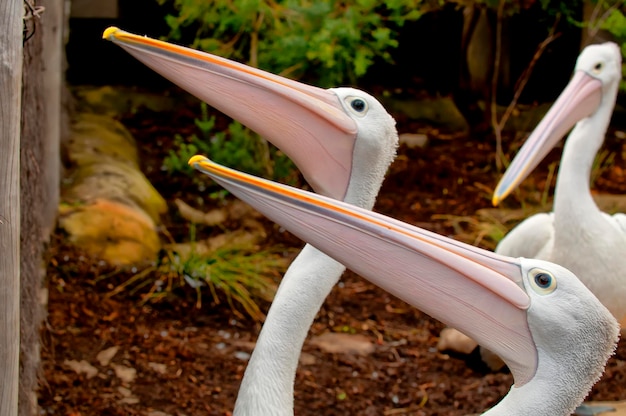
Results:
241 149
604 160
553 170
238 147
234 274
177 159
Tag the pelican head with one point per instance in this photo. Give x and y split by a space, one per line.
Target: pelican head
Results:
324 132
552 332
592 89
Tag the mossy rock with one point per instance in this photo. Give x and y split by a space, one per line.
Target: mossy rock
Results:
110 230
119 100
115 181
95 138
109 208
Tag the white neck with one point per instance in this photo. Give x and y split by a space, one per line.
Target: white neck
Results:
576 213
545 394
571 356
267 385
580 149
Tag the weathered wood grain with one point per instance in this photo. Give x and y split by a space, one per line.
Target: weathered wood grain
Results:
11 13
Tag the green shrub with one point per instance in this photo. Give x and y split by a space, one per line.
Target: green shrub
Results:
330 41
238 147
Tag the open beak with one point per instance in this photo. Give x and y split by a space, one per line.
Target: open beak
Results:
307 123
473 290
579 99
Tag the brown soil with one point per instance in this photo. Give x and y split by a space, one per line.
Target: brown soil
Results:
189 361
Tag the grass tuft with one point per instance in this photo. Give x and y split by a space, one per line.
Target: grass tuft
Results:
239 276
487 227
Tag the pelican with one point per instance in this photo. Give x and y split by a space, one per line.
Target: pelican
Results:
552 332
341 139
576 234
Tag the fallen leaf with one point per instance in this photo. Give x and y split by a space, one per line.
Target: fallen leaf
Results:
158 367
128 398
126 374
104 357
82 367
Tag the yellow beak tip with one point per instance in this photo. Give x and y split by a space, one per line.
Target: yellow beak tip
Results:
109 32
196 159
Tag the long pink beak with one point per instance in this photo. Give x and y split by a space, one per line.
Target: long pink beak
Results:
307 123
579 99
474 290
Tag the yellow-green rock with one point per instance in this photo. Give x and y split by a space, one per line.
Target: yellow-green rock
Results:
95 138
114 180
110 230
119 100
109 208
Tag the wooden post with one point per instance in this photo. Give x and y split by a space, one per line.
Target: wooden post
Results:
34 198
11 15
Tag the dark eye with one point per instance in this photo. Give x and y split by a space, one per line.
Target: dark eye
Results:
542 281
598 67
358 105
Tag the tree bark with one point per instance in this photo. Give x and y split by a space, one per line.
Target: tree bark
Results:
475 70
56 119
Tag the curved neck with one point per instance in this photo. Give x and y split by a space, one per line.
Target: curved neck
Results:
267 385
573 203
566 371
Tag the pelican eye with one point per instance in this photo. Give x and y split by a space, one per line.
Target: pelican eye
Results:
542 281
357 105
597 68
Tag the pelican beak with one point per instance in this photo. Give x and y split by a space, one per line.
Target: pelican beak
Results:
476 291
579 99
307 123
